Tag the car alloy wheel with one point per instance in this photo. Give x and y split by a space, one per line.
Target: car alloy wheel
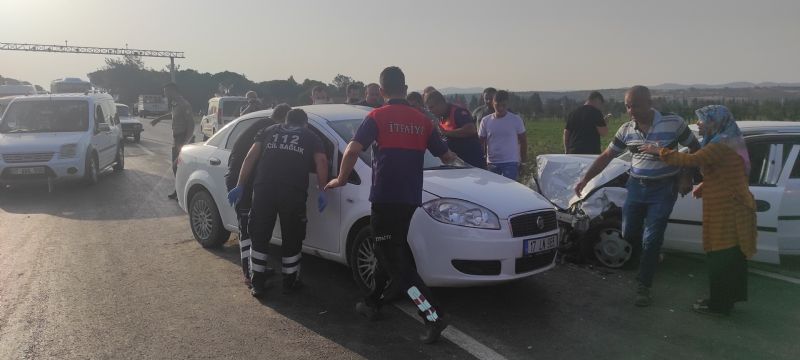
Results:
367 262
202 218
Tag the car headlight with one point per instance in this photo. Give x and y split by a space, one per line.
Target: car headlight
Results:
68 151
461 213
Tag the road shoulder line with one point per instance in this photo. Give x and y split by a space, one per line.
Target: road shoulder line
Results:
458 337
768 274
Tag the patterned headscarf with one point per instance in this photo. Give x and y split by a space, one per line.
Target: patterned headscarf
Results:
720 127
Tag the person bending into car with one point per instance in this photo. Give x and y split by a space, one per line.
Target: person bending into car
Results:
729 209
458 129
239 151
281 156
401 134
653 185
182 124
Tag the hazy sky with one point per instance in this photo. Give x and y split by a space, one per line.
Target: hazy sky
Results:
517 45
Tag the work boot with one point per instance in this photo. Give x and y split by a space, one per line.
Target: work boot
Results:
433 330
291 283
370 312
258 285
643 298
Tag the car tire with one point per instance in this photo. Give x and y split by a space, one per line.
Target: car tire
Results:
205 222
91 170
137 137
605 244
119 161
362 260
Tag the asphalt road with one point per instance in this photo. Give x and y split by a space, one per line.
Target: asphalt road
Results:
112 271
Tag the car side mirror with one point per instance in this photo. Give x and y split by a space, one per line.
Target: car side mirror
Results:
102 127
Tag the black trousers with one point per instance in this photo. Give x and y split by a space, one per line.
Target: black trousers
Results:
727 277
243 216
268 204
389 223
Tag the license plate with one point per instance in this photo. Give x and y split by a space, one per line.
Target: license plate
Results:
532 246
28 171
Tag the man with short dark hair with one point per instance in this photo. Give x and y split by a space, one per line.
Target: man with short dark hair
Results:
238 153
653 186
399 136
253 104
372 96
585 125
285 154
481 111
319 95
457 128
502 135
182 124
415 100
353 96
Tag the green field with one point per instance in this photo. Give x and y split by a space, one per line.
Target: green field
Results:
546 136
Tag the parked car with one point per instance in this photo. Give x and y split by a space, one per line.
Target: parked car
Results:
473 228
50 138
131 126
592 222
4 101
221 110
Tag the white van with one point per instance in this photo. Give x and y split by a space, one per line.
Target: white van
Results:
221 110
50 138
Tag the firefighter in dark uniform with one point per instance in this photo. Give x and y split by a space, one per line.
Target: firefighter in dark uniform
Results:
282 156
399 135
240 148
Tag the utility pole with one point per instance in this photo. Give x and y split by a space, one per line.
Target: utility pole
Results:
66 48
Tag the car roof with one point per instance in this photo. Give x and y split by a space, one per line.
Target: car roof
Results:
753 127
65 96
328 112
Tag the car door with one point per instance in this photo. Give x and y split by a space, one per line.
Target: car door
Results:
323 229
789 213
102 139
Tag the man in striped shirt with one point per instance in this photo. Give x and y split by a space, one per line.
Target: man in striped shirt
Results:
653 185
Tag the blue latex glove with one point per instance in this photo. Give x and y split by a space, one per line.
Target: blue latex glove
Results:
322 201
235 195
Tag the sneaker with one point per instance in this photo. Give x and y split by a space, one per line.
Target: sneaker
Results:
258 288
433 330
369 312
173 196
643 298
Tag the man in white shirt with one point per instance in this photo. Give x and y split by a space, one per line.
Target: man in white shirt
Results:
502 136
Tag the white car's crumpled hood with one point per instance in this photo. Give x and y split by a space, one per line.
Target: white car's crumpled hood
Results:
37 142
557 175
503 196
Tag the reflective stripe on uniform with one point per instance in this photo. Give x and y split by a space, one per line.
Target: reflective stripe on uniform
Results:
257 255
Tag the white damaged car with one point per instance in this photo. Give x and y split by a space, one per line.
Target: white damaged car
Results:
473 228
591 224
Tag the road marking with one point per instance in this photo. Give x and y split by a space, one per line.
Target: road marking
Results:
458 337
146 150
768 274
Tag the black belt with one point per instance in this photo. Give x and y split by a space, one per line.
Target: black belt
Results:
651 182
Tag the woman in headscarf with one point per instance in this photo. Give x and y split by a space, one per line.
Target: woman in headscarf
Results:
729 209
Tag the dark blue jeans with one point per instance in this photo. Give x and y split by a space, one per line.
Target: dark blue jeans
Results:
644 220
509 169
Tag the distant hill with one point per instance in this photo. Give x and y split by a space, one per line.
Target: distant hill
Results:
461 91
732 85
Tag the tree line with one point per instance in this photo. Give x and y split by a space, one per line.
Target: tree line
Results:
127 78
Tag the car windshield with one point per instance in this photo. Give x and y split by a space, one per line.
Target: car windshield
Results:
346 129
232 107
122 111
46 116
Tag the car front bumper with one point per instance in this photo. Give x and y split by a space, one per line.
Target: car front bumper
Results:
55 170
449 255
